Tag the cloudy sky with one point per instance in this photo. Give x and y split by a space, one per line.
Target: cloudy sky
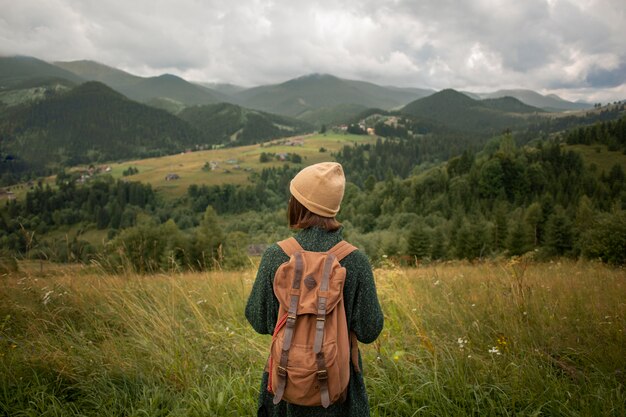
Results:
574 48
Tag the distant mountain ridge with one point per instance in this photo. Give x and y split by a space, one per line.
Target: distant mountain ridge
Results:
550 102
460 112
145 89
303 96
16 70
315 91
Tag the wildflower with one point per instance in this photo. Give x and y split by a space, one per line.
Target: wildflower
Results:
462 342
201 301
495 350
473 305
414 310
502 342
437 282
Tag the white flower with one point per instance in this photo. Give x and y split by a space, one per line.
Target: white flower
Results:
495 350
462 342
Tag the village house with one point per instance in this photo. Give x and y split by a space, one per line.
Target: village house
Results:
172 177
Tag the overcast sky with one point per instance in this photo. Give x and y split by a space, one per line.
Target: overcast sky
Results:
576 48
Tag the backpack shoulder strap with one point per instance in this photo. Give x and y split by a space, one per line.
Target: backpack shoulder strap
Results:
290 246
342 249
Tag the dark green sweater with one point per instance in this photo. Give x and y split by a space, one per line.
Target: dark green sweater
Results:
363 313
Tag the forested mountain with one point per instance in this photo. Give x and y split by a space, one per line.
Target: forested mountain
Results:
335 115
235 125
459 112
311 92
510 105
550 102
90 123
16 70
145 89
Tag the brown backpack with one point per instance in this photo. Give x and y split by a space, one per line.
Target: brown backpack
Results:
311 350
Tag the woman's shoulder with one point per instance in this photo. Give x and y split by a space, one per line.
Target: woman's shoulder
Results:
357 258
274 255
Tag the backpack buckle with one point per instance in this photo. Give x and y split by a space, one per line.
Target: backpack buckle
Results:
322 375
282 371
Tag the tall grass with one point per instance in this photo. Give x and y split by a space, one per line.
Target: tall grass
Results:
490 339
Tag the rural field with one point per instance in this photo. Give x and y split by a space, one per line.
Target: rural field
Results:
233 165
498 338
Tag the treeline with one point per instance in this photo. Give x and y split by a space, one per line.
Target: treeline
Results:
144 232
268 190
507 201
105 204
611 133
504 201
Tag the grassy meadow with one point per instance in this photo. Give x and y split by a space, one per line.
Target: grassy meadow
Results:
511 338
189 166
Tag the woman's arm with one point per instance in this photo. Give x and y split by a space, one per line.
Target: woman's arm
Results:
367 317
262 306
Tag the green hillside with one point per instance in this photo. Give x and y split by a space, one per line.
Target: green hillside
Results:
16 70
94 71
458 111
230 124
335 115
532 98
297 96
90 123
510 105
145 89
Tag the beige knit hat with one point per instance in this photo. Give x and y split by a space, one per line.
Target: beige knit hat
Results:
320 188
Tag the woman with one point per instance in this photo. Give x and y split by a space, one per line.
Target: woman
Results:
316 194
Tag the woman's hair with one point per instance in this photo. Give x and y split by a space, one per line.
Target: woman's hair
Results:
301 217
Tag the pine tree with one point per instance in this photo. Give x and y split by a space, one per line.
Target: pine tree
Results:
518 242
419 242
559 234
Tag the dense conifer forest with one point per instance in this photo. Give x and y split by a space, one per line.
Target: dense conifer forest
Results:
505 200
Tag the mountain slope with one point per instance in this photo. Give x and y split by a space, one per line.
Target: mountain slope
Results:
94 71
145 89
90 123
311 92
17 70
550 102
235 125
458 111
510 105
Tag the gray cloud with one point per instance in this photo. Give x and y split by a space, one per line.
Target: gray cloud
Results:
601 78
573 47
